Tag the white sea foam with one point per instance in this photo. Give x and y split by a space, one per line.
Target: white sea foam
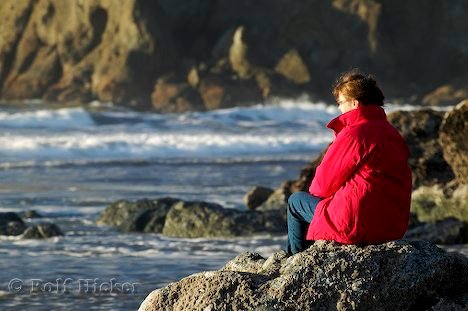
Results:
259 130
54 212
73 134
61 118
291 111
147 145
147 245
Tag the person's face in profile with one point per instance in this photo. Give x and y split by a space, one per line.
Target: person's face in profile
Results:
346 104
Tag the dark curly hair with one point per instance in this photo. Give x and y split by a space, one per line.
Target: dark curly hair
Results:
354 85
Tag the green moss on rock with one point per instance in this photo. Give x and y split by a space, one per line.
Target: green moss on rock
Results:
430 204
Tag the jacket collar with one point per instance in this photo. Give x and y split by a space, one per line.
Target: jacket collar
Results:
370 112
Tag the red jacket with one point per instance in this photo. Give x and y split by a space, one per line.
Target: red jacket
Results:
364 180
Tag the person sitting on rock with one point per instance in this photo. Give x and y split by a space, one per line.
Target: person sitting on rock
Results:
361 191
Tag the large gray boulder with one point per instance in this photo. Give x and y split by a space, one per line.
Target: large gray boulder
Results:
42 231
150 218
137 216
392 276
178 218
11 224
201 219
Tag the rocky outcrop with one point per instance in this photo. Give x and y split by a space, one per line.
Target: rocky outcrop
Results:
219 90
143 215
175 94
256 196
434 203
293 67
447 231
243 52
278 199
392 276
420 129
65 51
11 224
42 231
438 161
453 138
178 218
199 219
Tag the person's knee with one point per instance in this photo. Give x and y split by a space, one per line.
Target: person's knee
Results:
295 198
292 199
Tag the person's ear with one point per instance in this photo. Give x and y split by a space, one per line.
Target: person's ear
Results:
355 103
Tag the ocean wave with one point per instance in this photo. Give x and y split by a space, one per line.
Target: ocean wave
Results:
75 134
117 135
153 145
59 118
286 111
146 245
279 111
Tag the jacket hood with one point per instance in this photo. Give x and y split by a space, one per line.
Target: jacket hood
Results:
370 112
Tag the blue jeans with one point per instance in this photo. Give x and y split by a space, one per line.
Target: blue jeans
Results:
301 208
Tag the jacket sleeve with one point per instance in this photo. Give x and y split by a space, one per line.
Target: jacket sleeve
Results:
341 160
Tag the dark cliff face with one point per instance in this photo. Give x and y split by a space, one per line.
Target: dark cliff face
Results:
224 53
